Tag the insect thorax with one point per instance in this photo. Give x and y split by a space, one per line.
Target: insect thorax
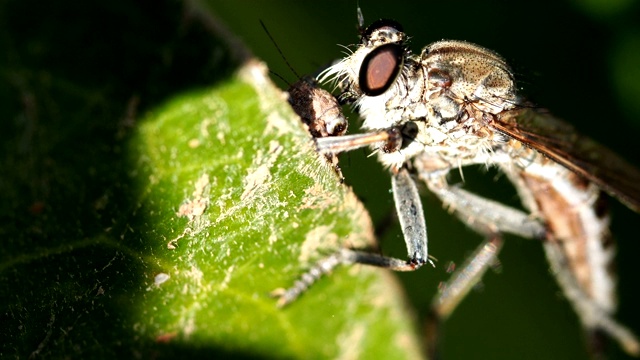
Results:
446 94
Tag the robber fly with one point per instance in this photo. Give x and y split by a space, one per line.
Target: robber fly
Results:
456 104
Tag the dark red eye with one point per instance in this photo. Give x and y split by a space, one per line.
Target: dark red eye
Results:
380 68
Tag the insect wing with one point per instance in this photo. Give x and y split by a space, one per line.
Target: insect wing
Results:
559 141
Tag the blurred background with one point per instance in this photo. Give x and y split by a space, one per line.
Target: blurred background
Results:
580 59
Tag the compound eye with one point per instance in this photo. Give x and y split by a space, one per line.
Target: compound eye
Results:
380 68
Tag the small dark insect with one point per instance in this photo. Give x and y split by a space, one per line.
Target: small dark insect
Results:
317 108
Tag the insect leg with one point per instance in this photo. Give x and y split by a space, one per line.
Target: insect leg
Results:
337 144
409 208
411 216
457 288
327 264
491 218
487 217
592 316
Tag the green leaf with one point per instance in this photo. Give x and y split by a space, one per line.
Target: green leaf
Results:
144 218
238 204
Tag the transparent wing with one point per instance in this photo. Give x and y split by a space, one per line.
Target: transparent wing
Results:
559 141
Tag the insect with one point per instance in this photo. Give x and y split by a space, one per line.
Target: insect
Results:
316 107
456 104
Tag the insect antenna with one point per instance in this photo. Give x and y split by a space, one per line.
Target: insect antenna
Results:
280 77
361 27
273 41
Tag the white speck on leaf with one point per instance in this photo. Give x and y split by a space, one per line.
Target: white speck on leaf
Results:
198 204
255 180
260 174
160 278
227 278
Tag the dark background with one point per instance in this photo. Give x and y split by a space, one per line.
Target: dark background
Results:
581 60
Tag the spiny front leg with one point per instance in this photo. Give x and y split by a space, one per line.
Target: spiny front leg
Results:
391 139
409 208
411 216
326 265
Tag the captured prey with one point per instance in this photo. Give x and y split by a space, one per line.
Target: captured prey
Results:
318 109
456 104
